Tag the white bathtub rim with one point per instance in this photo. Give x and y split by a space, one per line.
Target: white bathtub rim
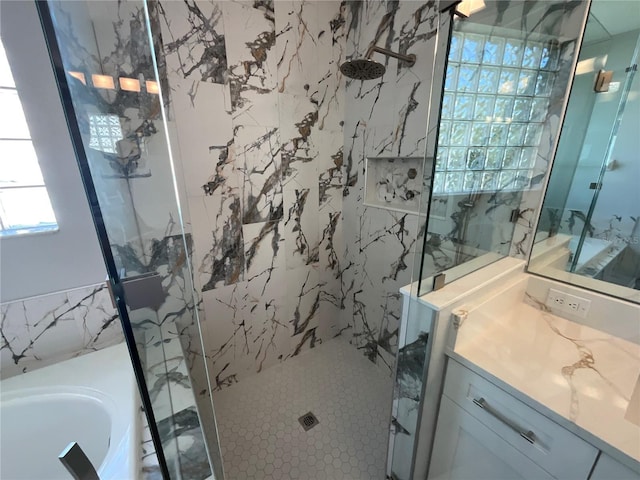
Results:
105 375
42 394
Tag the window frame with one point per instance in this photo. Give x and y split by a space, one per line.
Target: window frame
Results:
39 264
27 228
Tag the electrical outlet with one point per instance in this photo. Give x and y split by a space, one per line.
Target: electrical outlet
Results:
556 299
577 305
572 305
562 302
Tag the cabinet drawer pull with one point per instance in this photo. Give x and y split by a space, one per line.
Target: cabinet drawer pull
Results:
528 436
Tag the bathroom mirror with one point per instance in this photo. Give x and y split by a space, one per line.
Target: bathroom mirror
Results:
589 229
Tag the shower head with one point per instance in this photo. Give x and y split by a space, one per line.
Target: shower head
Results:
367 69
362 69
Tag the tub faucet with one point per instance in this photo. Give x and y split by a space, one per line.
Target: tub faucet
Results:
79 466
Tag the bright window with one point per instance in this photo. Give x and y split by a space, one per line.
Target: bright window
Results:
24 202
494 107
105 132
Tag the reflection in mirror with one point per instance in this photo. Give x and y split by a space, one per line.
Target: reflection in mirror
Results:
589 228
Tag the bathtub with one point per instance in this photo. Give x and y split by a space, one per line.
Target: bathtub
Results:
591 248
92 399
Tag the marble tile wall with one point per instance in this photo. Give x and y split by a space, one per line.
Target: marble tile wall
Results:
385 117
388 117
43 330
272 144
257 100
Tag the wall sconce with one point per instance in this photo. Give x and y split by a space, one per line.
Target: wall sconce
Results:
152 87
466 8
129 84
103 81
603 79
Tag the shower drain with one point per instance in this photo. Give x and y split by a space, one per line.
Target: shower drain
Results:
308 421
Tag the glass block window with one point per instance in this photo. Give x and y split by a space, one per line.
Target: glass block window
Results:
24 202
105 133
495 102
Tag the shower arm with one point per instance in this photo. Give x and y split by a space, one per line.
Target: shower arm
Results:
409 59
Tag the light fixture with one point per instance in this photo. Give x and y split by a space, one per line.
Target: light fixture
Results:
103 81
129 84
79 75
152 87
603 79
466 8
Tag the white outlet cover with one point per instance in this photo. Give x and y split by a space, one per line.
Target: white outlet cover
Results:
565 303
555 299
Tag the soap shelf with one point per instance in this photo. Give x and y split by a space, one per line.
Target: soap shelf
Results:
394 183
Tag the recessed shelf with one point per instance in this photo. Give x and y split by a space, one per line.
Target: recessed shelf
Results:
394 183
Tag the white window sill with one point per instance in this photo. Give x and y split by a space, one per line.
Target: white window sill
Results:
29 231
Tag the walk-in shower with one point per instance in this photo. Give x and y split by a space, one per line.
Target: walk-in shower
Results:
259 215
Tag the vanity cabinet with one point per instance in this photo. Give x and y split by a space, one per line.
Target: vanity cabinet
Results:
465 448
484 432
609 469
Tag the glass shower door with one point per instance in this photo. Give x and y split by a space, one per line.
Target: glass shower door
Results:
105 63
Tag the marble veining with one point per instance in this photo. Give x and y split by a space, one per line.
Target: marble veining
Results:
583 375
195 40
560 21
185 427
261 147
43 330
383 118
118 44
411 359
272 143
615 230
394 182
191 457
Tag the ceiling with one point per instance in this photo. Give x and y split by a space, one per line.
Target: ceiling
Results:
612 18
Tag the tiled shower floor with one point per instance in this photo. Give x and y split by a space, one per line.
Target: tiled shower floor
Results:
258 419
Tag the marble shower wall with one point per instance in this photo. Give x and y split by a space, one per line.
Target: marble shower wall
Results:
47 329
389 118
257 100
383 118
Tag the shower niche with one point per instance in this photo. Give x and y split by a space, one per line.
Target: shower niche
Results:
394 183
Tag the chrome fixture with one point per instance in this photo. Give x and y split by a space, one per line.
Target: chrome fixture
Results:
77 463
367 69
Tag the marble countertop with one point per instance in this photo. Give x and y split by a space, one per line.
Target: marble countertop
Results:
584 379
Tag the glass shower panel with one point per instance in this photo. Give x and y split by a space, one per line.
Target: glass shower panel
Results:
105 62
505 82
505 72
413 337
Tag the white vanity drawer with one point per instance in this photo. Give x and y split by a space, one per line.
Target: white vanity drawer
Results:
555 449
